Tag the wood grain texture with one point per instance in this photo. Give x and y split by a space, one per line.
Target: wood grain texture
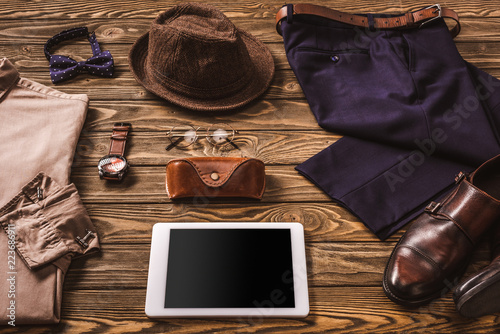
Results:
111 31
159 116
81 9
268 146
125 223
329 264
105 292
333 310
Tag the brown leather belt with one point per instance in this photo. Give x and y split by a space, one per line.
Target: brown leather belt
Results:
408 20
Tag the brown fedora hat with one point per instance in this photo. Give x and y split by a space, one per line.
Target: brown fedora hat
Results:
195 57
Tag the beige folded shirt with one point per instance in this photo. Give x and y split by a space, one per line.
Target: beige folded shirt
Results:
39 212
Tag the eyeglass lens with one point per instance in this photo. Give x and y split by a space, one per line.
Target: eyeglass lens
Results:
182 136
220 133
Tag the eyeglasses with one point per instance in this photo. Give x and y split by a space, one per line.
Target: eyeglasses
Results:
185 135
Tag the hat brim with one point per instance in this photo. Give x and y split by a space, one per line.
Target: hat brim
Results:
263 66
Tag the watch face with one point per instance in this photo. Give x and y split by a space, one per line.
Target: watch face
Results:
112 164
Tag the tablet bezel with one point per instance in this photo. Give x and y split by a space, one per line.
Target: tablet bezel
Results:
157 276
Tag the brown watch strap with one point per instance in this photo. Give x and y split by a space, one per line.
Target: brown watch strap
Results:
408 20
119 138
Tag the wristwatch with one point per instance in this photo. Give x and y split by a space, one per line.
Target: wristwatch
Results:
114 165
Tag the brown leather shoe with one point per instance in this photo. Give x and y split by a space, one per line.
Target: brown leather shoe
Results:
435 250
480 294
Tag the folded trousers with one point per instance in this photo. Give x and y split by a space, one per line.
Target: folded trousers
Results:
412 111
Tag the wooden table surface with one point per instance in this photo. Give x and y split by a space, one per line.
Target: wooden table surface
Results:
105 293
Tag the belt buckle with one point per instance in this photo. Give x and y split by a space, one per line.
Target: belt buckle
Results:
438 9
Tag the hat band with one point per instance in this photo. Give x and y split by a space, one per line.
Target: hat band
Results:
203 93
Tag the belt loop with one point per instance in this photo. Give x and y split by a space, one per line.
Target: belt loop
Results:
289 13
371 22
409 19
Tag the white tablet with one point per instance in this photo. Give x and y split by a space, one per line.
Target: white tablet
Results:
227 270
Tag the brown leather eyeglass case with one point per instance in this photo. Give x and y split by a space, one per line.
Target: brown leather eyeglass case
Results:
215 178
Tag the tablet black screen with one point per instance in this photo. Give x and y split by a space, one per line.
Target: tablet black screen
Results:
229 268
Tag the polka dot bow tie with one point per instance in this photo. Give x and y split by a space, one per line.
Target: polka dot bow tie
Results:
63 68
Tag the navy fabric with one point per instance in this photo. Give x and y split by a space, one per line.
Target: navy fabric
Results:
63 68
414 113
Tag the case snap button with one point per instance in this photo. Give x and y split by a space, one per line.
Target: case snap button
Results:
214 176
335 58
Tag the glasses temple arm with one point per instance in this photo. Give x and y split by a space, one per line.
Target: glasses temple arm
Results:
173 144
230 141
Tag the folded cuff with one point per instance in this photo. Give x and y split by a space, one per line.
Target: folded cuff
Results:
46 221
384 186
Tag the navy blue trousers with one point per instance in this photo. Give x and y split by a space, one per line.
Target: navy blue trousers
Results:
412 111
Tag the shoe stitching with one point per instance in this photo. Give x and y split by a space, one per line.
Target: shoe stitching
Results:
387 289
425 256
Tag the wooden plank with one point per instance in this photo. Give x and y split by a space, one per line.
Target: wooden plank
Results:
159 116
329 264
123 223
149 9
148 148
119 223
81 9
111 31
333 310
